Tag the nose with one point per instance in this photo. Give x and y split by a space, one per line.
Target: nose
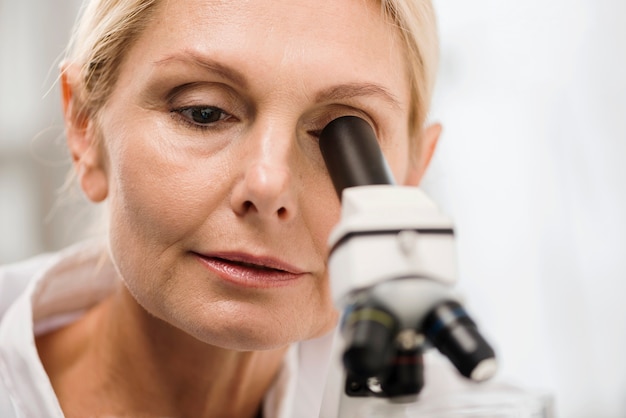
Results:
265 188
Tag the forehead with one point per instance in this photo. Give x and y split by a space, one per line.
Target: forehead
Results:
290 41
286 21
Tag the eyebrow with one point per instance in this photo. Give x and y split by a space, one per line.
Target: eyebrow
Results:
207 64
334 93
353 90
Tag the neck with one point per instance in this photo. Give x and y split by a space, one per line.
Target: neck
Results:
124 361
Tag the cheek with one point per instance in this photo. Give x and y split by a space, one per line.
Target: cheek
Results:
159 194
159 198
319 205
321 215
398 157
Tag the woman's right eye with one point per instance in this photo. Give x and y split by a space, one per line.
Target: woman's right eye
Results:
202 116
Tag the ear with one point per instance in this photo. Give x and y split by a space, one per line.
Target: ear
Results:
80 129
425 150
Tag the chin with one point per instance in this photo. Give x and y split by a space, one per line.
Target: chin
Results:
244 325
261 335
243 338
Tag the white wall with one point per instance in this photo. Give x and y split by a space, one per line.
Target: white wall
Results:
532 96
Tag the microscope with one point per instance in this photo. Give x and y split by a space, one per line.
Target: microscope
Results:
392 268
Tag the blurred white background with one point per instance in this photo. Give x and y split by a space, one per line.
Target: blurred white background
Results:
33 160
531 165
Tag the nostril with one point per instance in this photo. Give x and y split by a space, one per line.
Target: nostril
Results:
249 206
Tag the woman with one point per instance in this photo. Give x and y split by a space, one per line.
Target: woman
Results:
197 123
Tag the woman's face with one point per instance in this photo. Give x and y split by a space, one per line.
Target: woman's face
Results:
220 201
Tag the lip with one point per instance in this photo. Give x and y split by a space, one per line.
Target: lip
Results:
250 271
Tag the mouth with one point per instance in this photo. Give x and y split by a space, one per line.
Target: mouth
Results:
249 271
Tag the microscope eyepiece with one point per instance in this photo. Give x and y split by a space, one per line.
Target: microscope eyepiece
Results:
352 154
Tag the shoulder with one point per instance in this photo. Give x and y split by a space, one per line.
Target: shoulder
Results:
14 278
57 266
42 293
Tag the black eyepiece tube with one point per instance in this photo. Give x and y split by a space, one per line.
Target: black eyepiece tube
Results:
352 154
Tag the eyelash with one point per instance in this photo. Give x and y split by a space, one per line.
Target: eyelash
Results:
188 121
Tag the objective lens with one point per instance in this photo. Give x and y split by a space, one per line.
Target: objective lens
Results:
406 377
452 331
369 332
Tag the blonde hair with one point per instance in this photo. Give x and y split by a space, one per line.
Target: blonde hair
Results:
415 19
107 28
104 32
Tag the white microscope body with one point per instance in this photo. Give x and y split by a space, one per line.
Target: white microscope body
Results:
392 267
